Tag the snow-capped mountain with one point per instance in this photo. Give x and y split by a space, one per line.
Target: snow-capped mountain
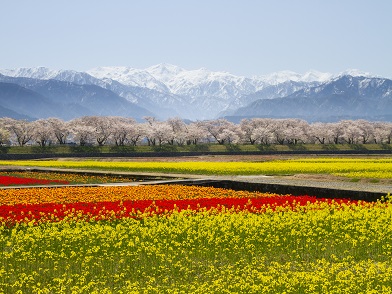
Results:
166 77
42 73
198 93
168 90
203 94
137 92
164 72
343 97
270 92
204 82
129 77
40 98
285 76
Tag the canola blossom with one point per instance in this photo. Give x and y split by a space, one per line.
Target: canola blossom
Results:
333 249
376 168
185 239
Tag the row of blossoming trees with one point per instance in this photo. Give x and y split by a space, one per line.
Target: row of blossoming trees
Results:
121 131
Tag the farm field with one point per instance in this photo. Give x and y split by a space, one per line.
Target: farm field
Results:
12 178
189 239
378 168
181 239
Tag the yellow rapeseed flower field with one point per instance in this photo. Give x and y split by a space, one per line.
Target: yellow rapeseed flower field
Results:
362 168
331 249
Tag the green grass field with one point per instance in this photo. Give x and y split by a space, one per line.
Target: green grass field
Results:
58 149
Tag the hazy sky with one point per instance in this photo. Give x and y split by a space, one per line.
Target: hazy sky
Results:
244 37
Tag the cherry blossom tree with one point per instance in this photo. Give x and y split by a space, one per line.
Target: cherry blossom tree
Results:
221 130
121 131
103 127
60 129
148 129
4 137
121 128
366 130
162 132
136 133
4 133
42 132
158 132
337 131
255 130
278 131
264 130
248 127
295 130
388 132
195 133
179 130
321 132
231 135
21 130
264 134
351 131
81 132
382 132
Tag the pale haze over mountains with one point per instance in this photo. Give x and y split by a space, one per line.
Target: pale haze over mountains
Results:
166 90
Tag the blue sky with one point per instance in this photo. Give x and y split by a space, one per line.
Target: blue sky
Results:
247 37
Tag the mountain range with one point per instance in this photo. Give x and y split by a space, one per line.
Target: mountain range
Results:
166 90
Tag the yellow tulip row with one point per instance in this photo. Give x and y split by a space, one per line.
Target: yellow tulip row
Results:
103 194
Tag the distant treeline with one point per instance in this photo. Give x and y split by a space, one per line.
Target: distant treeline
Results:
121 131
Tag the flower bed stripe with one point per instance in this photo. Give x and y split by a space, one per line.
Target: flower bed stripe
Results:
10 180
101 194
73 178
118 209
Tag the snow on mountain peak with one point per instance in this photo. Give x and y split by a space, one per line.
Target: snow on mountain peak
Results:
287 75
171 79
198 93
128 76
164 68
164 72
355 73
279 77
316 76
201 82
41 72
